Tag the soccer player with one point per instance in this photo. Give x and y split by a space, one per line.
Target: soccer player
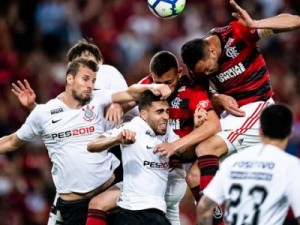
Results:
186 98
228 56
142 200
261 182
66 125
108 78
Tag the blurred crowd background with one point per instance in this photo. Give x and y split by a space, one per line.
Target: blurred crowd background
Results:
35 36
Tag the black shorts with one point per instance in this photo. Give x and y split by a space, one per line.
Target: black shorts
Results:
141 217
73 212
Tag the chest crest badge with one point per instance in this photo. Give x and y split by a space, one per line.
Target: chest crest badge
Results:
89 114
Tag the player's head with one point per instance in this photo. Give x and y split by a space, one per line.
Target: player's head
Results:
85 48
154 112
276 122
165 69
80 79
200 57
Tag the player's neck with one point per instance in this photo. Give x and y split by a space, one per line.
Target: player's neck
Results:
70 101
215 41
276 142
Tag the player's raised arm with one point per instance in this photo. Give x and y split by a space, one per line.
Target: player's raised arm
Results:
25 94
10 143
134 91
279 23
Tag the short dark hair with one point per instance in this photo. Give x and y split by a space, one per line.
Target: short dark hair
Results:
74 65
193 51
162 62
146 99
82 46
276 121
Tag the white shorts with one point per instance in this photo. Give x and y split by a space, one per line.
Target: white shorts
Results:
242 132
175 191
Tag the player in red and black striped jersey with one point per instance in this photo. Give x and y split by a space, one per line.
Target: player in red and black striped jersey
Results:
230 59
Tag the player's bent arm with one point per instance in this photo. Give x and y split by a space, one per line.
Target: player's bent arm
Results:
102 143
10 143
134 91
210 127
205 211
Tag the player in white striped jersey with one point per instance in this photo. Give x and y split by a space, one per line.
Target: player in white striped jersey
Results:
142 200
261 182
66 125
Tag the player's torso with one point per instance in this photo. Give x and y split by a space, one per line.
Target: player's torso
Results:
145 173
183 105
243 73
256 187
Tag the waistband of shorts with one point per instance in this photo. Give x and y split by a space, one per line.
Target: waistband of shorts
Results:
74 196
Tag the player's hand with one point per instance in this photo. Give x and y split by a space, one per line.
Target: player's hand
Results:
200 116
25 94
165 149
161 89
241 15
126 137
114 113
231 105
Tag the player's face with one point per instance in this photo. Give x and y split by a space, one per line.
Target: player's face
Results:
169 78
82 84
205 67
157 116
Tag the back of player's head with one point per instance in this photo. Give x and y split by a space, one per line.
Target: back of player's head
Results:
74 65
276 121
162 62
193 51
146 99
84 46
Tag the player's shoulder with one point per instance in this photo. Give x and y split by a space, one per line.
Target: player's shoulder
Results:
108 69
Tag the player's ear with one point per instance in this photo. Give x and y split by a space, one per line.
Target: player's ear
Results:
180 71
69 78
143 114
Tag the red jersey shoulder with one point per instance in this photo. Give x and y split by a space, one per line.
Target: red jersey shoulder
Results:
146 80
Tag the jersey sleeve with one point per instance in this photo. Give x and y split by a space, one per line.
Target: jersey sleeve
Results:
32 128
250 35
294 190
200 98
103 97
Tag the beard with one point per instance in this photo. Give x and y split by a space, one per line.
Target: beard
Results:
80 98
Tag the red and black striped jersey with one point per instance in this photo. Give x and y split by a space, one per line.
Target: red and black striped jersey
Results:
184 102
243 73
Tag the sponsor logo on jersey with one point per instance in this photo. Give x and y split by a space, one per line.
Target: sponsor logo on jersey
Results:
89 114
254 164
55 111
55 121
82 131
149 147
174 124
231 72
156 165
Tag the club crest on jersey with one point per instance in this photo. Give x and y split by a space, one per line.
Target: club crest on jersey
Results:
231 51
89 114
176 103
